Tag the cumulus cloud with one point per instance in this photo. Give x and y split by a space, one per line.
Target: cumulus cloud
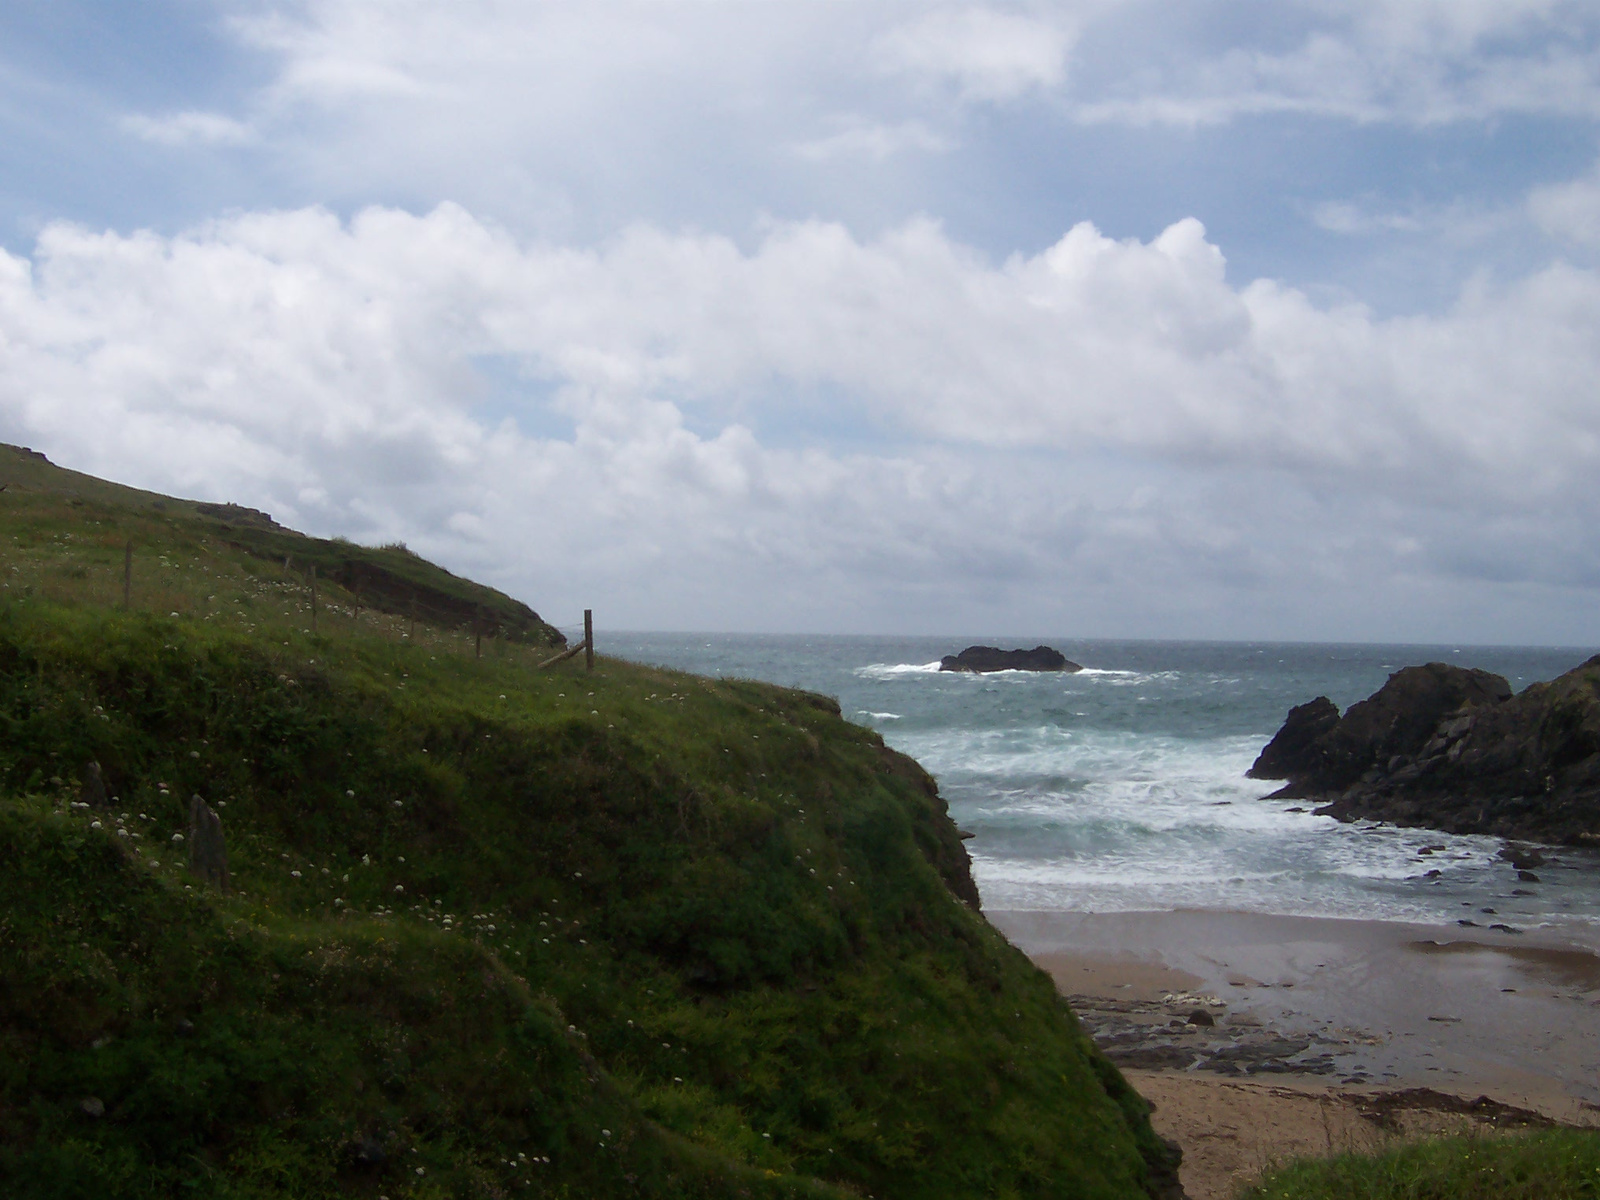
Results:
1113 413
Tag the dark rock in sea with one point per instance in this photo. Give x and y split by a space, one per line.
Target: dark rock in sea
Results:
1527 877
1295 743
1201 1017
1523 858
1319 751
1444 747
983 659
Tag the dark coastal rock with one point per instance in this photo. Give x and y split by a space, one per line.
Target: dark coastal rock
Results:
1522 858
1448 748
1292 751
1318 755
983 659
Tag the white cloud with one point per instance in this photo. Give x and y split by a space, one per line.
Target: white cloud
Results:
988 54
1112 419
872 140
1419 62
1346 217
189 129
1569 210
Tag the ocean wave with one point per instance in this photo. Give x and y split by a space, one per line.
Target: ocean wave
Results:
878 716
1132 678
895 670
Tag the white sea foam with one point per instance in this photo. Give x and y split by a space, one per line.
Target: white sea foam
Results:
1110 820
880 716
894 670
1132 678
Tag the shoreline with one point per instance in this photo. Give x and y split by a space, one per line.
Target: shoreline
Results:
1260 1038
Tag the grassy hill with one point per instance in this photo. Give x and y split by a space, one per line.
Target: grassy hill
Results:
491 931
71 534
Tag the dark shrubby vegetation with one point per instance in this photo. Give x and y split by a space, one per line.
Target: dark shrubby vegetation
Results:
492 931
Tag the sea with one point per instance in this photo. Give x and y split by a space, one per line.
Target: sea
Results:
1121 787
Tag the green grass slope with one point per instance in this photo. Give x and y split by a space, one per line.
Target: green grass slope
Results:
1552 1164
78 528
492 931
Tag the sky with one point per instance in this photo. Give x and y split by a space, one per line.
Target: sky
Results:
1271 320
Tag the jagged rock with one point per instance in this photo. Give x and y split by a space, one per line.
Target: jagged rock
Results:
983 659
208 854
1292 749
1448 748
238 514
93 792
1387 732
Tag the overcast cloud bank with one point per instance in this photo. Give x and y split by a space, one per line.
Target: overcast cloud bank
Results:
637 403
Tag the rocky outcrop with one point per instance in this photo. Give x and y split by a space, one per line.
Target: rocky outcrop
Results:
1294 748
1449 748
983 659
238 514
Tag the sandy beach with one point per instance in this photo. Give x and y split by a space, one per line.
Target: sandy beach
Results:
1259 1038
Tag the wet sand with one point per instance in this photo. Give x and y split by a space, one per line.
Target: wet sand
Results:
1305 1024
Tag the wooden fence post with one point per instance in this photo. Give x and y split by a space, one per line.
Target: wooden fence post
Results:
588 639
127 575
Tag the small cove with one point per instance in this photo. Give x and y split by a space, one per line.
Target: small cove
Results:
1121 788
